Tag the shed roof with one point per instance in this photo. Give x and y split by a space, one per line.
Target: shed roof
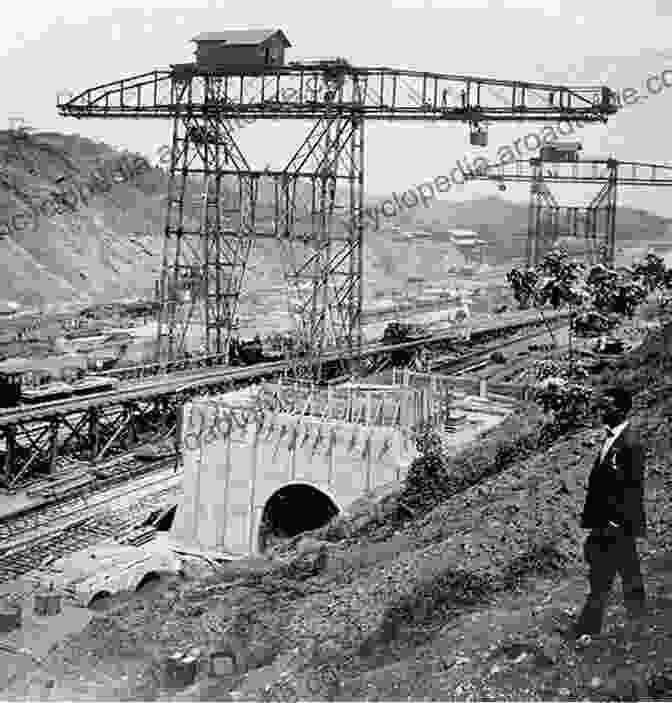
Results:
242 36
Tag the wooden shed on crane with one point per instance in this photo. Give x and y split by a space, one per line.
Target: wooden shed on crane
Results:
239 48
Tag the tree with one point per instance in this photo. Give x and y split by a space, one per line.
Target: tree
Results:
558 282
652 273
597 301
614 294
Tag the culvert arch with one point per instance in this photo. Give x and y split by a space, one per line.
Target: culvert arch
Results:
292 509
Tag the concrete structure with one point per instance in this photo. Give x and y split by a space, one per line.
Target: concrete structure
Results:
276 461
290 466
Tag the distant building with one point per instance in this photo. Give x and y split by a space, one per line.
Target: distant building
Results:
469 244
241 48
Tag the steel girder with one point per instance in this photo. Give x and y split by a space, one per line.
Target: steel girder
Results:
30 447
318 225
303 92
206 248
320 229
37 446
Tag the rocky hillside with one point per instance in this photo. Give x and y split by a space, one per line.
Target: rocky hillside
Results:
82 222
77 220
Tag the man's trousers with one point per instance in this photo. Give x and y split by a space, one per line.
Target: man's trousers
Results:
608 555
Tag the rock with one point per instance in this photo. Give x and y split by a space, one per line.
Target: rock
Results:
231 647
180 669
307 564
310 544
320 683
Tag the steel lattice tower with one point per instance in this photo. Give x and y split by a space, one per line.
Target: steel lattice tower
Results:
316 212
594 223
549 221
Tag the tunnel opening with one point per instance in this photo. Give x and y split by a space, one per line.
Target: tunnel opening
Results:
292 510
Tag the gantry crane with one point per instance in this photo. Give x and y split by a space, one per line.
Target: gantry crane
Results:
319 225
595 222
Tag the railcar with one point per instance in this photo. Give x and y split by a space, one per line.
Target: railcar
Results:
23 381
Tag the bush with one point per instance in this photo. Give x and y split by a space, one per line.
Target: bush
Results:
434 477
568 402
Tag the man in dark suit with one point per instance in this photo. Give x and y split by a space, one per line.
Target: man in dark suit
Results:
614 514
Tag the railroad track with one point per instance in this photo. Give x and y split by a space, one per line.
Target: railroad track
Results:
111 473
79 535
478 356
81 521
177 381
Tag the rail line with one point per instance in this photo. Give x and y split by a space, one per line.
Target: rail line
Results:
78 522
465 361
174 383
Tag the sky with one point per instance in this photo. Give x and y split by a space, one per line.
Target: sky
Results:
75 44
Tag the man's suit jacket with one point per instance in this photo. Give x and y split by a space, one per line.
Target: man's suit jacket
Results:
616 487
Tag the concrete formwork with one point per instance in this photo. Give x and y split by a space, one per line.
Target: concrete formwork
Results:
345 444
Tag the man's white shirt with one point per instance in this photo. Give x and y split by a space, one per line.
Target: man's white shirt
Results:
614 434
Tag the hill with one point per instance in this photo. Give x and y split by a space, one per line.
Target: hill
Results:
81 222
77 218
504 224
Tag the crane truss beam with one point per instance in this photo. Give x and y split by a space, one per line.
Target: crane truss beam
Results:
206 245
320 228
305 93
591 171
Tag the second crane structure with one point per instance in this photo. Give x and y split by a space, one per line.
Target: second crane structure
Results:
594 223
317 204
